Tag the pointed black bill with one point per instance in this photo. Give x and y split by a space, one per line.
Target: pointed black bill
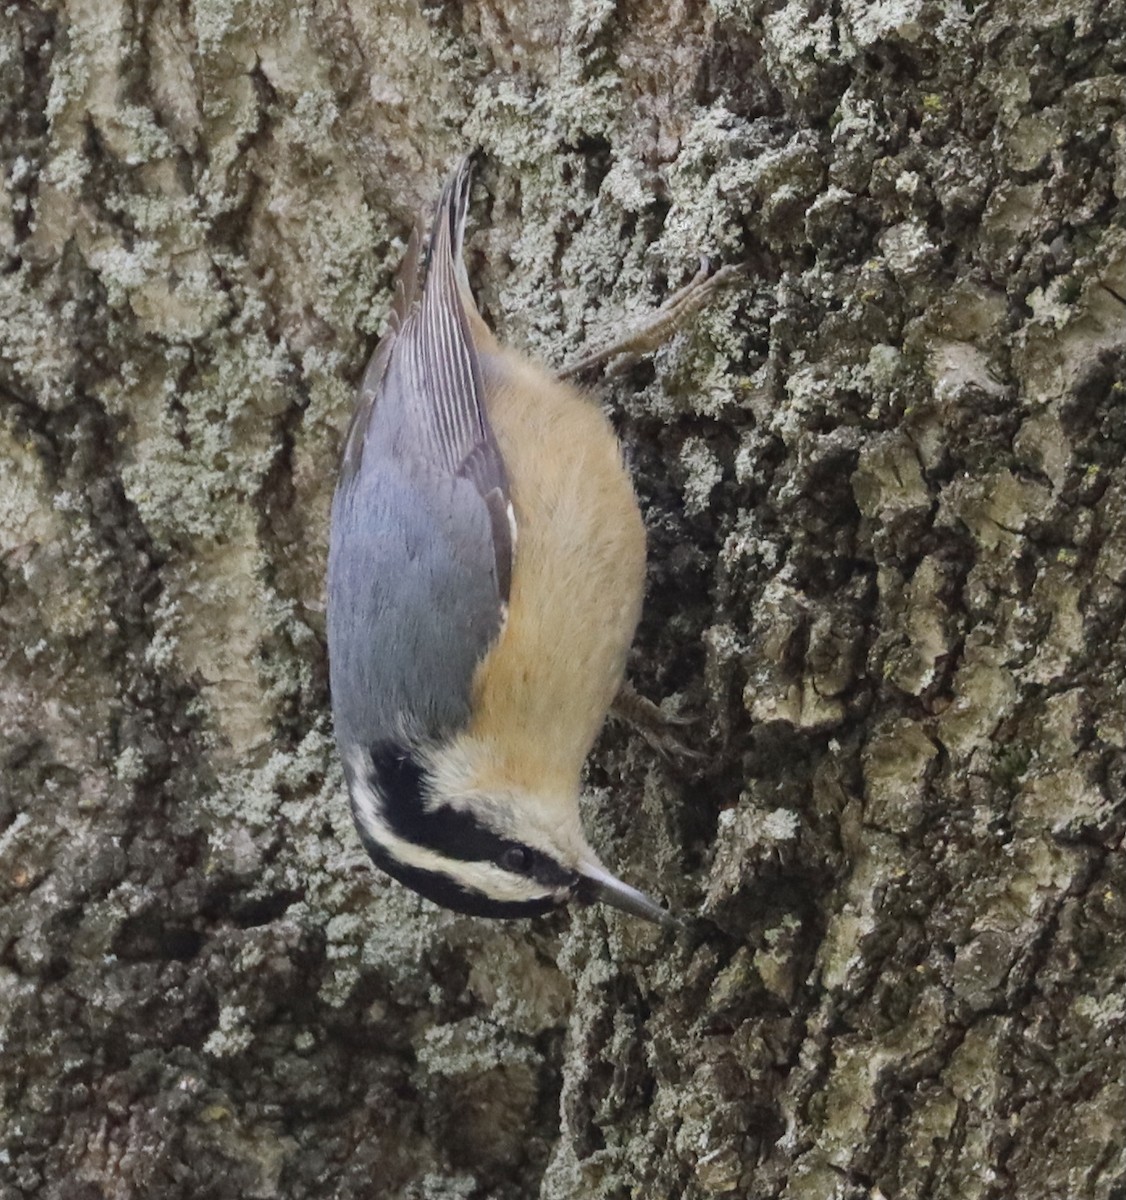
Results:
597 885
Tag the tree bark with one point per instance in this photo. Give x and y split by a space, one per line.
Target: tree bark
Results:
884 477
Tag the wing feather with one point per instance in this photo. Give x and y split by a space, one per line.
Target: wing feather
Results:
420 557
430 331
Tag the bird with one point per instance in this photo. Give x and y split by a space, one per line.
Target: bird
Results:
486 570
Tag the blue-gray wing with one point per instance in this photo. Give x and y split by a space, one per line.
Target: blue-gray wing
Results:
420 553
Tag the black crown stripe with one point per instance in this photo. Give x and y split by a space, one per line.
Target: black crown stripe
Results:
402 784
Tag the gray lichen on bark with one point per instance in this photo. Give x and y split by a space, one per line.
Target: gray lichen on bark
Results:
885 481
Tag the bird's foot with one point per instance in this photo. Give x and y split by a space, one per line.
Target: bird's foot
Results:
653 723
659 326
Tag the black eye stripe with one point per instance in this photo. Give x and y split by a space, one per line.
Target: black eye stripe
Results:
401 782
439 888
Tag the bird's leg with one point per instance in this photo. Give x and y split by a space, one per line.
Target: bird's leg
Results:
652 722
658 327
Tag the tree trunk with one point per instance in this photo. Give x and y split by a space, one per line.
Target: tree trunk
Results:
884 477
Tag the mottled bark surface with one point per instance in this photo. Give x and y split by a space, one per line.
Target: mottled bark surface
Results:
885 479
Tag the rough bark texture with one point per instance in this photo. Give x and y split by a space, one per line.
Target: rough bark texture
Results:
885 480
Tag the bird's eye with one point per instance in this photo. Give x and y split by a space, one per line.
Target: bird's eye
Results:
516 859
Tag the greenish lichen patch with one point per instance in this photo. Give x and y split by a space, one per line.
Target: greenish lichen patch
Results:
883 478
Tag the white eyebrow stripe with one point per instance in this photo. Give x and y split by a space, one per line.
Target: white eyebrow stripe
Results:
482 877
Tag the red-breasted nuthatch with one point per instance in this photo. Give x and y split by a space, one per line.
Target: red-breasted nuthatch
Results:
485 577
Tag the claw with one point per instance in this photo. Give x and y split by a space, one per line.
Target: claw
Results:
653 723
659 326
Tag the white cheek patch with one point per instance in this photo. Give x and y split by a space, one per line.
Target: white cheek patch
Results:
483 877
